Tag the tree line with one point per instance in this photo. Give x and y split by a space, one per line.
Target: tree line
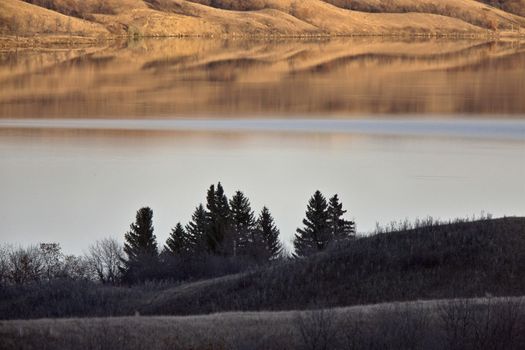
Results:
228 228
223 236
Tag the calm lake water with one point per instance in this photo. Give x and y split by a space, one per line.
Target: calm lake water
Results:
399 130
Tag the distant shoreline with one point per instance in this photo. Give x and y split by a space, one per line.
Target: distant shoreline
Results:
8 42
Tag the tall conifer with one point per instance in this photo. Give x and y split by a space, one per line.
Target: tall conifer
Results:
197 230
270 234
339 227
141 248
178 242
315 234
218 218
242 221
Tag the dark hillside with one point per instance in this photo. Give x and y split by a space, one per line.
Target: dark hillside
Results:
461 259
427 261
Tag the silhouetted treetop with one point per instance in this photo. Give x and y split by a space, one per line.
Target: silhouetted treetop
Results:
242 223
270 233
140 247
324 223
339 227
197 230
218 220
178 241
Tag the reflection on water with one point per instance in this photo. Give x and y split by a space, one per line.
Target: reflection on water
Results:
86 138
74 186
182 77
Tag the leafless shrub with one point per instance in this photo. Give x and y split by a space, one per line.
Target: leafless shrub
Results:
492 324
355 331
402 327
317 329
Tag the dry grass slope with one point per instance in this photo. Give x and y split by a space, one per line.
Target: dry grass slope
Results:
254 17
468 324
17 17
513 6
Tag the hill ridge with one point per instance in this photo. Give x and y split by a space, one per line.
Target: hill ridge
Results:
93 18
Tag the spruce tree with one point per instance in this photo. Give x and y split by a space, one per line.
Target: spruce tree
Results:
315 234
178 242
218 220
196 231
242 221
339 227
141 248
270 233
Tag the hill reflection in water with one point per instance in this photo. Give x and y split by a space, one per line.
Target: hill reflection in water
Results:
239 78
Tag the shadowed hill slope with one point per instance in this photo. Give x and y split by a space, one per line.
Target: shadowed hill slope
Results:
468 11
426 262
513 6
429 261
254 17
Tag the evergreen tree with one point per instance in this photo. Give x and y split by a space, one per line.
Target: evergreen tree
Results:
196 231
270 233
339 227
178 242
242 224
141 248
218 220
315 234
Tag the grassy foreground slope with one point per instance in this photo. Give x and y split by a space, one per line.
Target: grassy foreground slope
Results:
497 323
254 17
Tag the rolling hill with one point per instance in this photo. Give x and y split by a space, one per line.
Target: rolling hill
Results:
429 261
97 18
513 6
463 259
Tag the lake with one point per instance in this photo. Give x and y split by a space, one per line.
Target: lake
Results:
399 129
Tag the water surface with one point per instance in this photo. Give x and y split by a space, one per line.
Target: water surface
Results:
399 129
343 77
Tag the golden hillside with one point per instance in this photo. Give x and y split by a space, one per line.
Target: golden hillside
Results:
513 6
95 18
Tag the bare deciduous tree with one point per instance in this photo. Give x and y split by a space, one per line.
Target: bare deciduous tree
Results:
105 260
4 263
76 267
25 265
52 258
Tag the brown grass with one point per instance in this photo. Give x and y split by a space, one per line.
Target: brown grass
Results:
22 19
448 324
252 17
513 6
